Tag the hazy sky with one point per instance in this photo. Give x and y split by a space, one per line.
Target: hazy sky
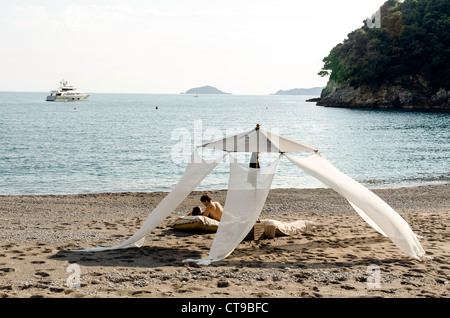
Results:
150 46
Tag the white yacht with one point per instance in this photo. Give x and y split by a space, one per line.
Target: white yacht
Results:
66 93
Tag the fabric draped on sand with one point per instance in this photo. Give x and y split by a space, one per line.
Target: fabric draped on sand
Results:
367 204
273 228
196 170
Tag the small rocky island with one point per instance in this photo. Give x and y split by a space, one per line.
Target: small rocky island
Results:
204 90
400 61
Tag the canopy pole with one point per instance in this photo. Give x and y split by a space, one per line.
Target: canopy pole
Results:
254 162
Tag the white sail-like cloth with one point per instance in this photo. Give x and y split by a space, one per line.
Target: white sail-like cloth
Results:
247 192
197 169
368 205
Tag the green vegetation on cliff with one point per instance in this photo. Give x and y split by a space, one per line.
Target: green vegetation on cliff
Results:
413 42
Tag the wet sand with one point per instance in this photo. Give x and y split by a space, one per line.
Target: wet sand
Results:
343 257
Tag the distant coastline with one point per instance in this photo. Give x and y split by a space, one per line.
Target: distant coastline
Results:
301 91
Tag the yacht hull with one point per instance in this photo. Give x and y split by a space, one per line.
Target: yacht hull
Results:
73 98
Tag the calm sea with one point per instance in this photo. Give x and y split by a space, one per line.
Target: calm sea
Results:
122 143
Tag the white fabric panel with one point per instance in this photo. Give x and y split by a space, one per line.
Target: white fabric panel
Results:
369 204
367 219
257 140
247 192
196 170
285 144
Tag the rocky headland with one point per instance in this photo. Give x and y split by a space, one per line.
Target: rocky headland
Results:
384 96
400 61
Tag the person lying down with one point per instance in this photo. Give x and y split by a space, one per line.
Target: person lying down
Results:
196 211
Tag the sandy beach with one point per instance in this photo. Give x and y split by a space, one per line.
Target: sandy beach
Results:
343 257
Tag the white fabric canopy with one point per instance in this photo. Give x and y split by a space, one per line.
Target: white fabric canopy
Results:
196 170
372 208
248 189
247 192
257 140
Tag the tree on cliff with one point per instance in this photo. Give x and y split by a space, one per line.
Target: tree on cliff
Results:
413 42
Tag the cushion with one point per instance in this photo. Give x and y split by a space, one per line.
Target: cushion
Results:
195 223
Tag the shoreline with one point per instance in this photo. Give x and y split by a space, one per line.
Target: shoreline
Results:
37 232
370 187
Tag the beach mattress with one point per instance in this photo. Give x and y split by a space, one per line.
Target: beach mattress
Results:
195 223
272 227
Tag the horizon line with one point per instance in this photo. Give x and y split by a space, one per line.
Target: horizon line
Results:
181 93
